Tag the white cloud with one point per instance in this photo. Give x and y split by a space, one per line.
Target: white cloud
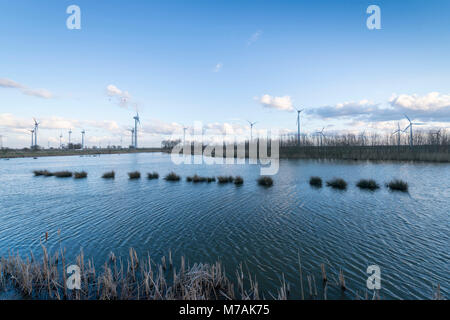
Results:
122 97
254 37
40 93
430 101
279 103
218 67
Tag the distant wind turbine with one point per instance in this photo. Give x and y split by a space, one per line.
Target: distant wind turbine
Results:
32 138
298 125
410 126
60 140
132 136
70 135
251 128
184 134
398 132
82 138
36 126
136 122
321 135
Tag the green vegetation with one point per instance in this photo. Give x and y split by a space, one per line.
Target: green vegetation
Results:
225 179
153 175
315 182
196 179
337 183
368 184
45 173
238 181
265 181
172 176
109 175
398 185
63 174
80 175
134 175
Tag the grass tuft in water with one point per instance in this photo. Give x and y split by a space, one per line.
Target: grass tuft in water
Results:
109 175
337 183
265 181
369 184
153 175
225 179
238 181
398 185
44 173
315 182
172 176
63 174
80 175
134 175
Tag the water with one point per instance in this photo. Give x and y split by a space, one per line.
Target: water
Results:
406 234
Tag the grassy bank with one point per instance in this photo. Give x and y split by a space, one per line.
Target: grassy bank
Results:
16 153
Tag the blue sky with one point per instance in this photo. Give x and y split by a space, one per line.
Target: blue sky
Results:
219 62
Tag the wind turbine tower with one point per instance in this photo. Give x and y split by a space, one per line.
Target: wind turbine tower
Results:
298 125
82 138
36 126
136 122
32 138
60 141
398 132
132 137
410 126
321 135
70 135
251 129
184 135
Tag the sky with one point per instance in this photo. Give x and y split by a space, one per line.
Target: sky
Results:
221 63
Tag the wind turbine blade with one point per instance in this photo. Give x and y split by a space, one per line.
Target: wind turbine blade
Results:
407 118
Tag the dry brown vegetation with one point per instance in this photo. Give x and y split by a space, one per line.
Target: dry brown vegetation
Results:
141 278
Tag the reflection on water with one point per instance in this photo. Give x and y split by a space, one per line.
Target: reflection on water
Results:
407 235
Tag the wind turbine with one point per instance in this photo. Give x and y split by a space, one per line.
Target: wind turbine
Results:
132 136
136 122
36 126
298 125
321 135
410 126
32 138
82 138
60 140
398 132
251 129
184 135
70 134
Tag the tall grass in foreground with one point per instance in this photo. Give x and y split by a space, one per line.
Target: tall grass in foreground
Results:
142 278
368 184
398 185
337 183
172 176
134 175
109 175
265 181
315 182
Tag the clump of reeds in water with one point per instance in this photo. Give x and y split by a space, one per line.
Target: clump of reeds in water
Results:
265 181
210 179
44 173
172 176
315 182
63 174
80 175
337 183
109 175
134 175
398 185
238 181
152 175
225 179
196 179
369 184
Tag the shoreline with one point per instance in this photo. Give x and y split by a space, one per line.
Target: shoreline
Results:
14 154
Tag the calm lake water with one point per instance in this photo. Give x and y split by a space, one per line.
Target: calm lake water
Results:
406 234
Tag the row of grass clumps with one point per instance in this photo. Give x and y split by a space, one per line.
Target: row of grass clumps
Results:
367 184
197 179
172 176
152 175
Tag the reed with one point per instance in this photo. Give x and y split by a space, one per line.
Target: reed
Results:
134 175
265 181
225 179
368 184
172 176
315 182
153 175
44 173
337 183
238 181
141 278
80 175
398 185
109 175
63 174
